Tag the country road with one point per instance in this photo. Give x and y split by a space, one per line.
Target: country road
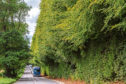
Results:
28 78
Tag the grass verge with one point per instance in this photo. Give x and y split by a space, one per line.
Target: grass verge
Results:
7 80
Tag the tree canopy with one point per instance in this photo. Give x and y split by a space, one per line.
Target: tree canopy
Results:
14 44
14 52
12 15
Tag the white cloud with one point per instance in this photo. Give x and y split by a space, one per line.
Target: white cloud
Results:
33 3
33 15
31 28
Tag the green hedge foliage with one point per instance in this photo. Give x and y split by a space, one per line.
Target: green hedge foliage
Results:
81 39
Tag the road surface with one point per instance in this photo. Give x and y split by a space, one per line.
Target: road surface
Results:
28 78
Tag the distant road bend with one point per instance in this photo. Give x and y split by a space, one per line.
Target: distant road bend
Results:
28 78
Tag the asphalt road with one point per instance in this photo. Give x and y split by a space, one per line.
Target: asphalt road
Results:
28 78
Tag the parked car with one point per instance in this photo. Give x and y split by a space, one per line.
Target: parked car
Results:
36 71
30 66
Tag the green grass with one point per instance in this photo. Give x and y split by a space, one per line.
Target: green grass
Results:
7 80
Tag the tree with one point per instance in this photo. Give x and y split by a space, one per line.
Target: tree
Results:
14 52
12 15
14 49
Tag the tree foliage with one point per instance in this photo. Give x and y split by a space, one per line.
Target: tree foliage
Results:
14 52
81 39
12 15
14 49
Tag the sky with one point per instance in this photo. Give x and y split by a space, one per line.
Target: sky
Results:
32 17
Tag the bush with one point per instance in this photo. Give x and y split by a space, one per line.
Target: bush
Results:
15 52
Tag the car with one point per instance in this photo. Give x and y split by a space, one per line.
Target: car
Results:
36 71
30 66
